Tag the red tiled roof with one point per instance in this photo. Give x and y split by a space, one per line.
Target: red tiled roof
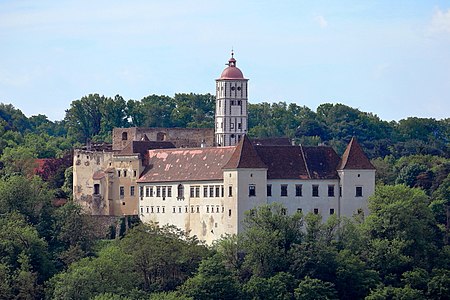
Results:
355 158
186 164
245 156
297 162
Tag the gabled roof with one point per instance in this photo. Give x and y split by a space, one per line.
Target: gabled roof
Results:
186 164
135 147
245 157
354 158
298 162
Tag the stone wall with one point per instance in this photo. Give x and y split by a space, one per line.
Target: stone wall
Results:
180 137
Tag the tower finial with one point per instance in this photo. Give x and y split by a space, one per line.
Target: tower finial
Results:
232 52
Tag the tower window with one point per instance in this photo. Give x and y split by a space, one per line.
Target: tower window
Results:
359 191
238 88
232 88
239 126
252 190
124 136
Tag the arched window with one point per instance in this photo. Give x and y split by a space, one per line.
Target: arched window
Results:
180 191
124 136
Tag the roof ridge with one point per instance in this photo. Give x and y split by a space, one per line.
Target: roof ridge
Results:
304 161
245 156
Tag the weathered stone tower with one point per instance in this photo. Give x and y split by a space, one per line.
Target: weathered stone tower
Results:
231 105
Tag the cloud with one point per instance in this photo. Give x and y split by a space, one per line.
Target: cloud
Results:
321 21
440 21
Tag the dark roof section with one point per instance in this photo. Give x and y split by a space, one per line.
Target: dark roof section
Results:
280 141
135 147
186 164
297 162
354 158
245 157
322 162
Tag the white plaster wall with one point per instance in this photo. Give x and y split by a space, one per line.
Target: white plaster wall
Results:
207 224
350 179
307 203
247 177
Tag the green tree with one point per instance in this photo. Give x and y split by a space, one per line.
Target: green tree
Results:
269 236
212 281
315 289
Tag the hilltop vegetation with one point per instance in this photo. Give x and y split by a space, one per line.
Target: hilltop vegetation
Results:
400 251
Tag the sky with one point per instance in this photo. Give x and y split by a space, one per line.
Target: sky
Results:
390 58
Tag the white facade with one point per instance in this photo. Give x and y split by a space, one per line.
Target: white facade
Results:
211 209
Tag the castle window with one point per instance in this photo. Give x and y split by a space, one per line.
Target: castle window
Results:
192 192
299 210
316 211
96 189
134 173
340 191
252 190
229 212
269 190
359 191
174 209
153 210
331 190
197 192
179 209
118 173
230 191
315 190
238 88
298 190
198 209
217 190
205 191
122 192
231 125
239 125
131 190
207 208
124 136
284 190
186 209
163 209
283 211
232 102
222 190
211 191
181 191
169 191
124 173
331 211
141 191
192 208
217 208
163 192
158 191
239 102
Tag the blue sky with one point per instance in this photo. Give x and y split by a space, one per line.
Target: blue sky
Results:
391 58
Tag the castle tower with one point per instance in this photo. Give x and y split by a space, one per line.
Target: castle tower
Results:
231 105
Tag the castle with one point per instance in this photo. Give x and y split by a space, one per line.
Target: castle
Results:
203 180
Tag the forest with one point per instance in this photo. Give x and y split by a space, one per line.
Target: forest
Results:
52 251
